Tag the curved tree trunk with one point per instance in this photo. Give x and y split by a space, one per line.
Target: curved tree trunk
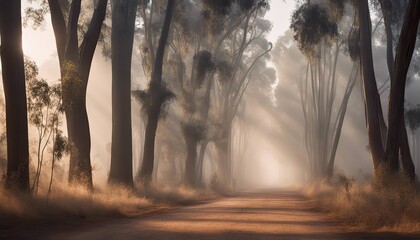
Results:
406 159
75 63
395 143
341 114
123 20
404 53
369 83
15 95
222 160
200 163
80 171
404 148
155 90
149 144
191 160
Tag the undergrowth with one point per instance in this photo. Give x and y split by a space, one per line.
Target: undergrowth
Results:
66 203
368 205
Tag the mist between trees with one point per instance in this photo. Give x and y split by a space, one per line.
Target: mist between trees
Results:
152 93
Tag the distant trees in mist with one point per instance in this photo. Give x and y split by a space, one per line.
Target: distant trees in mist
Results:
322 39
321 23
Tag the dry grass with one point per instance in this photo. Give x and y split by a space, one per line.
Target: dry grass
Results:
395 208
66 203
181 195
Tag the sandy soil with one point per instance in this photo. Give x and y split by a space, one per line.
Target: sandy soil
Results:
245 216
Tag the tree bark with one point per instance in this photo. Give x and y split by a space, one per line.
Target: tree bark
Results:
75 64
15 95
123 21
369 83
404 148
155 90
222 152
386 8
341 114
59 27
404 53
406 158
191 160
200 162
80 171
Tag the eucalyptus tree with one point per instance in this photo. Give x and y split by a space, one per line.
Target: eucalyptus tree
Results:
321 39
17 176
122 37
385 154
224 19
244 47
44 113
75 62
393 15
203 32
195 47
156 94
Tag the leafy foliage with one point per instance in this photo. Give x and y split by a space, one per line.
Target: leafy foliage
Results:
311 23
60 145
204 63
166 96
72 84
143 97
219 7
353 44
193 130
44 111
35 15
224 70
336 9
246 5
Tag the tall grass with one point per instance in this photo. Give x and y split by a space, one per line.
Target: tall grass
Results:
369 206
66 203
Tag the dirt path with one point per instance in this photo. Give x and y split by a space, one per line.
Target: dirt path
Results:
272 215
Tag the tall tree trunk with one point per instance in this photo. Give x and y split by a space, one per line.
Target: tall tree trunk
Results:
404 148
205 115
155 90
341 115
149 145
191 160
80 171
222 158
386 13
404 53
200 162
369 83
73 88
123 21
75 63
15 95
406 159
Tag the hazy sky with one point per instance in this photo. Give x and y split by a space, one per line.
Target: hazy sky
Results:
279 15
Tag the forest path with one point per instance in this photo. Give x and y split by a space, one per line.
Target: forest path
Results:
245 216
